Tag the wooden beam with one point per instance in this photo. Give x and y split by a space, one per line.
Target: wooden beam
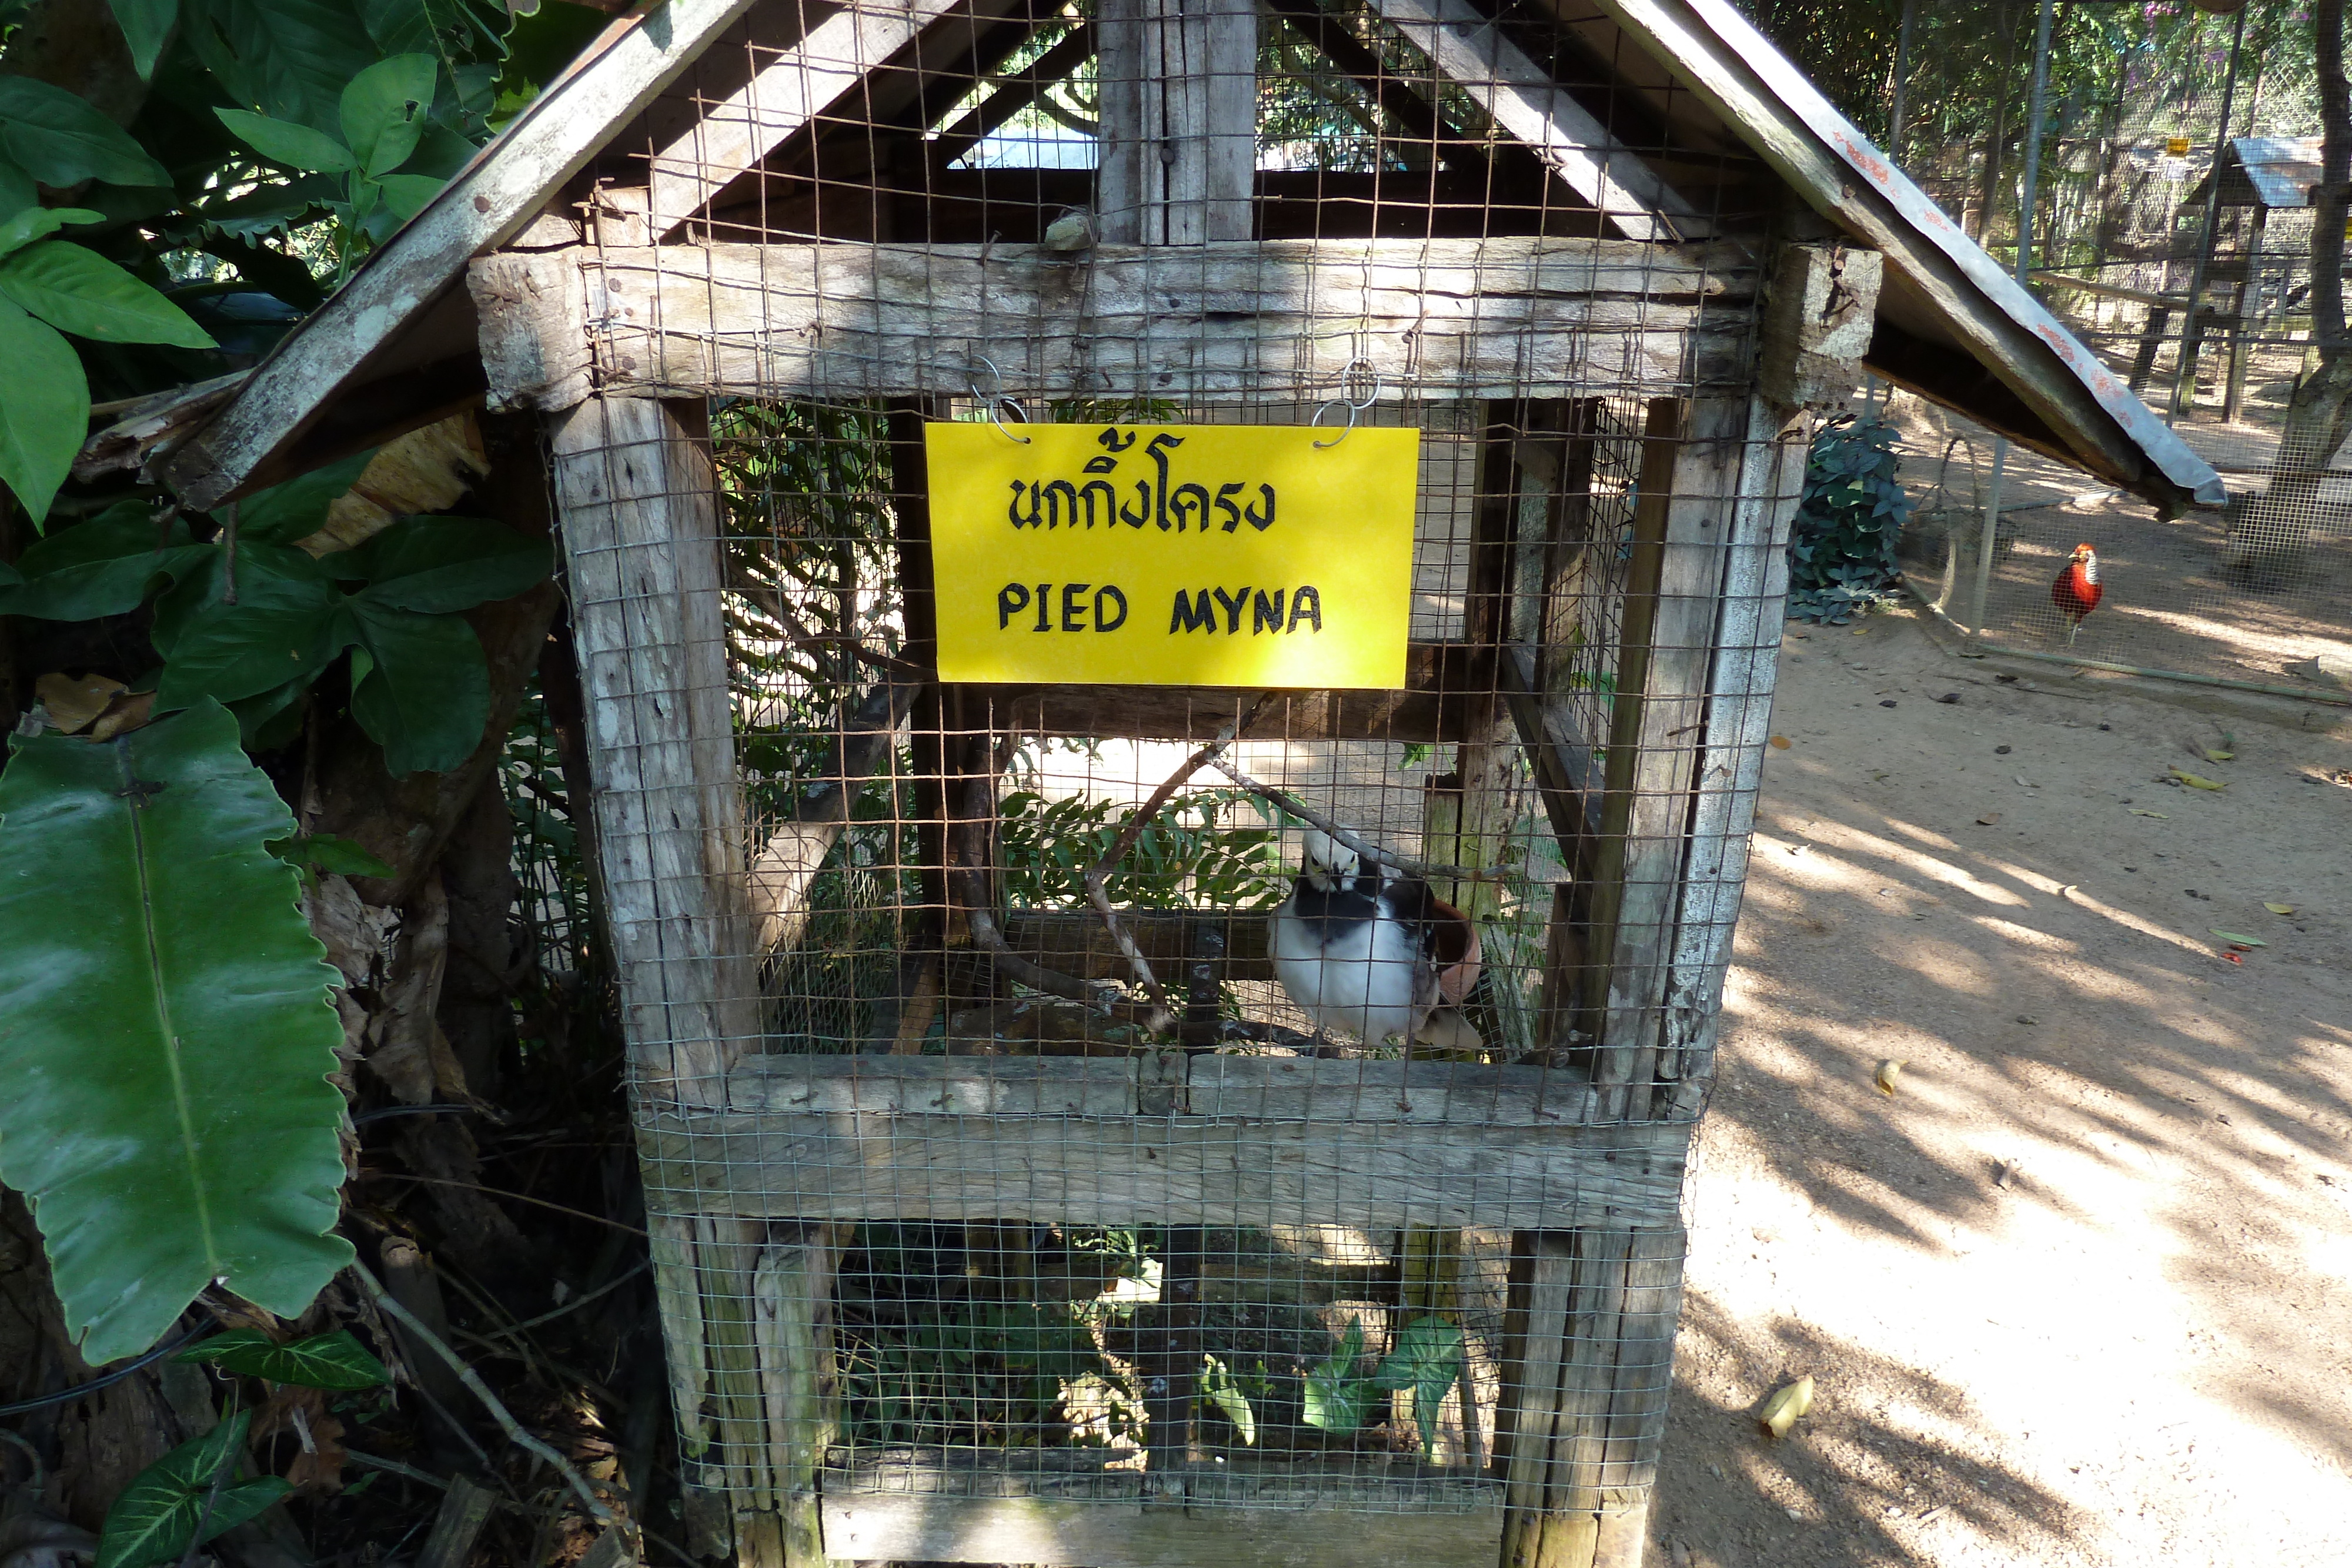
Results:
1065 1508
730 138
1177 81
1472 54
1493 317
1177 1169
1818 319
501 191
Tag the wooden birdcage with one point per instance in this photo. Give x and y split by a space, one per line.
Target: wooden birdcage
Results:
990 1226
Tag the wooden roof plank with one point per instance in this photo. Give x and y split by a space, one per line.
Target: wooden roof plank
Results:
732 137
1472 53
492 198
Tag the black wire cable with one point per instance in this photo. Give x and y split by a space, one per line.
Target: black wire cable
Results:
94 1384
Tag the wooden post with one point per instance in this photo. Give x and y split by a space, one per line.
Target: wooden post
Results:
1178 84
1592 1323
1689 468
639 503
799 1380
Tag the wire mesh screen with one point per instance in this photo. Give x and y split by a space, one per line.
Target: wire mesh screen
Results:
995 1146
2178 165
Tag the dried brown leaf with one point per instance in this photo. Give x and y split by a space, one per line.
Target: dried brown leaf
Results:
72 702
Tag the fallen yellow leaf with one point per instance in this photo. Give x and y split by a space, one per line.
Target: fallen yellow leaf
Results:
127 711
2220 756
1780 1411
2280 909
71 704
1888 1071
1781 741
2195 781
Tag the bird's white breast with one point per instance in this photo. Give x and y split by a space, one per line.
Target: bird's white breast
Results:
1360 976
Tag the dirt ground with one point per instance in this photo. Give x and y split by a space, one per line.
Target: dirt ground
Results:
2080 1293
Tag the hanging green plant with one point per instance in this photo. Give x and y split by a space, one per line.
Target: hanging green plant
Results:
1842 561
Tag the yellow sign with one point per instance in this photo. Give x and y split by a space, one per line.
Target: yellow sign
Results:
1201 555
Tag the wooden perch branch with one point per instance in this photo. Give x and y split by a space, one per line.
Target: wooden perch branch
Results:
1426 870
1100 871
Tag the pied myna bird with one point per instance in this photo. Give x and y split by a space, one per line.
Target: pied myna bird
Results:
1374 953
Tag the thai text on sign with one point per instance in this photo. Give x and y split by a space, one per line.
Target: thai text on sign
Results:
1211 555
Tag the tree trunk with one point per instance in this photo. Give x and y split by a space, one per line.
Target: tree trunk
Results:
2269 536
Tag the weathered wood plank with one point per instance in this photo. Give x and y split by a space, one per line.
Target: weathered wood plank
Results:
800 1384
1178 84
935 1085
1526 102
1817 323
1689 476
1307 1089
492 198
534 330
1443 682
1519 316
635 493
870 1526
729 137
1175 1170
1740 685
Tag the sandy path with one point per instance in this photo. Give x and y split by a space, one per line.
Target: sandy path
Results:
2137 1349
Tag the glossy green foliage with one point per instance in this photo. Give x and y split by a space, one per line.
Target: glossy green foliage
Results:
1425 1360
1194 852
420 685
166 1031
1842 558
192 1487
335 1360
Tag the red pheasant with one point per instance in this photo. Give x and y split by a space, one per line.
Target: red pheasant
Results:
2076 590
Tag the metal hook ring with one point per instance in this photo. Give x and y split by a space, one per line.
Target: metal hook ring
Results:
1354 406
1317 421
997 401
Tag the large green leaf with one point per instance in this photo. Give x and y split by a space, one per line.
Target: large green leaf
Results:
59 140
41 223
333 1360
146 25
80 291
102 566
298 54
16 189
441 564
1426 1360
156 1518
284 142
276 632
382 110
284 513
44 409
426 694
165 1031
1336 1398
404 196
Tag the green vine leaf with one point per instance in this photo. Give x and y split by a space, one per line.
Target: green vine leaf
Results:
442 564
335 1360
44 409
146 28
426 694
156 1518
1426 1361
59 139
296 508
167 1031
103 567
283 142
76 290
383 111
41 223
1336 1398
